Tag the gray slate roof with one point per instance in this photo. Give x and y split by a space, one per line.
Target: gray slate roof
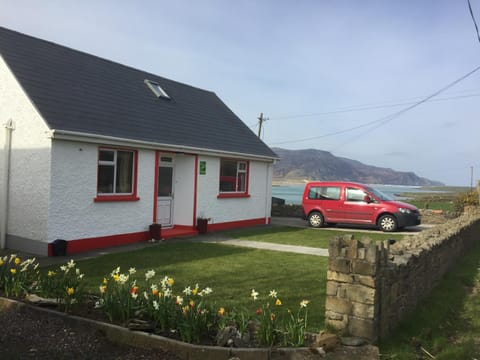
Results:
75 91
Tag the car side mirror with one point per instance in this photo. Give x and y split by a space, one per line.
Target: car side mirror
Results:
367 199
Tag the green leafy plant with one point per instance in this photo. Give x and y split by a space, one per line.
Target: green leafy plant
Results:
119 296
64 284
17 277
470 198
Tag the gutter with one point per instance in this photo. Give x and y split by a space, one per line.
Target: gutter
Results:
111 140
9 127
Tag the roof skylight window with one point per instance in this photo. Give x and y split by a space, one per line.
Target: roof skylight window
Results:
156 89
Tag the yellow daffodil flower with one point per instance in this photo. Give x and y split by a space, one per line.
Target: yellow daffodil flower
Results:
70 291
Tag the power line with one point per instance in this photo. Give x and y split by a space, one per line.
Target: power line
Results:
369 107
385 119
473 19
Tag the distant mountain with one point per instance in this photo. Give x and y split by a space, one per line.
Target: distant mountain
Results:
312 164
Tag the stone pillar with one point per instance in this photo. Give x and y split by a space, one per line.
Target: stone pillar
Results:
353 286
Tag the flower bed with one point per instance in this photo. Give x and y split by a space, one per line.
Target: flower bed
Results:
152 304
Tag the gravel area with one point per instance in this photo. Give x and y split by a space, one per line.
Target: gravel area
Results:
30 334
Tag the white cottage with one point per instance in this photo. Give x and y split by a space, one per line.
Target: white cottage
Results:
94 152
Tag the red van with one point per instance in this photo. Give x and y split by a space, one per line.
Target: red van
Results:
352 203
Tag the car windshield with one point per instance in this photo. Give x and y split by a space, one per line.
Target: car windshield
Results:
379 194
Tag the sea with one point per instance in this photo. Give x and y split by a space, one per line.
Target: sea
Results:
292 194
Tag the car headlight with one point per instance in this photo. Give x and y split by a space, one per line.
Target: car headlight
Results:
405 210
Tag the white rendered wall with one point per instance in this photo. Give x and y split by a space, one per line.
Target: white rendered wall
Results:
73 213
184 190
30 163
234 209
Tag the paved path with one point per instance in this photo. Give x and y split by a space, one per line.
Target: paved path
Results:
271 246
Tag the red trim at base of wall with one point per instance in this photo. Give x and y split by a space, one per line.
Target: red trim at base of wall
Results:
237 224
83 245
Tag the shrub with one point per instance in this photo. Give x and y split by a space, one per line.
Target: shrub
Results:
465 199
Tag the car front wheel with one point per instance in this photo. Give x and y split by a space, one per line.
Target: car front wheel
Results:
387 223
315 219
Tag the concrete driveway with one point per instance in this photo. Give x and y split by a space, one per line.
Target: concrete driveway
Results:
298 222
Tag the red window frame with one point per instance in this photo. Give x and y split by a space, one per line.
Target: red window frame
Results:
101 197
235 180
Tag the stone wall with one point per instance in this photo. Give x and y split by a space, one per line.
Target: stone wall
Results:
371 286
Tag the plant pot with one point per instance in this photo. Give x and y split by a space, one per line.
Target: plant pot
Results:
202 226
156 231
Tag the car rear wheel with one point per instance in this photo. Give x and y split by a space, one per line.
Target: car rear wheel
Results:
387 223
315 219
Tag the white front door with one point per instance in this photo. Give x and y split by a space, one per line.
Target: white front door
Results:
165 191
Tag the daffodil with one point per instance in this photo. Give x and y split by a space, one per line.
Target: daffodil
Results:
278 302
170 282
304 303
191 303
221 311
254 294
71 264
115 277
179 300
272 316
1 262
103 289
132 271
122 279
187 291
273 294
155 304
205 291
13 271
70 291
149 274
17 261
51 273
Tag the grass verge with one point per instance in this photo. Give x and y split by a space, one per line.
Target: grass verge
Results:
231 272
447 323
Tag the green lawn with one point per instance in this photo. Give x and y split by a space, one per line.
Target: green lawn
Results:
318 238
231 272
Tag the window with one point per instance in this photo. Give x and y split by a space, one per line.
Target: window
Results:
355 194
324 193
233 176
156 89
116 175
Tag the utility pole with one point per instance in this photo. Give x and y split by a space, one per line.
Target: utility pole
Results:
261 120
471 177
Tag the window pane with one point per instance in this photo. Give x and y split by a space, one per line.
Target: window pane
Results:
242 177
355 194
105 179
107 155
124 172
165 177
228 175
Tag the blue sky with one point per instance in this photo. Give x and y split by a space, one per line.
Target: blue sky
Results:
313 68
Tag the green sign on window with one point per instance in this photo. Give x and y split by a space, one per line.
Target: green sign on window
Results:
203 167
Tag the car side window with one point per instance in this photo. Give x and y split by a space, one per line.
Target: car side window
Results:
324 193
354 194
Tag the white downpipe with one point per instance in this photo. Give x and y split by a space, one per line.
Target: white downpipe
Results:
268 211
9 127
